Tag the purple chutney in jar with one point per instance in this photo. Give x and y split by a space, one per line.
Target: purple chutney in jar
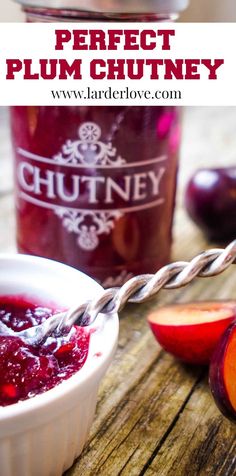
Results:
26 370
95 186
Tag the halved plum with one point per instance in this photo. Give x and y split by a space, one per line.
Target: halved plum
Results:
222 375
191 331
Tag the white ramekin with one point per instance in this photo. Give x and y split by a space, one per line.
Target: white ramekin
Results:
43 435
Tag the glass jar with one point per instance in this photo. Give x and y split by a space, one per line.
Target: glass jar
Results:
95 186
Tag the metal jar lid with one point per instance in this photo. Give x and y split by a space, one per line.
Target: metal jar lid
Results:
111 6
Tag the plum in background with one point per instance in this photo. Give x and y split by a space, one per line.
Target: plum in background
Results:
210 200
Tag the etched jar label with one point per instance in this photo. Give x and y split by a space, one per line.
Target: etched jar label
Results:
88 185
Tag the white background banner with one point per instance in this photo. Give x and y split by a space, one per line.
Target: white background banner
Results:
197 52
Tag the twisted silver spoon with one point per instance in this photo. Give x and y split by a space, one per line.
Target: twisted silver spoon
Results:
137 290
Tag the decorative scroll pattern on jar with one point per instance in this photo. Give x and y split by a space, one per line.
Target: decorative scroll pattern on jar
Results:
95 186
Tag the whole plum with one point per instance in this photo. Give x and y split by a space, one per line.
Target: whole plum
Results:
210 200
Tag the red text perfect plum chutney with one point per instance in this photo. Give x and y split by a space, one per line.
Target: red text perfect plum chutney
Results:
26 371
95 186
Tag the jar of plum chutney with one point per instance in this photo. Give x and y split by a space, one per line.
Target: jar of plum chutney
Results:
95 186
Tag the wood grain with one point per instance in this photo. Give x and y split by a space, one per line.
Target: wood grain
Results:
207 443
156 416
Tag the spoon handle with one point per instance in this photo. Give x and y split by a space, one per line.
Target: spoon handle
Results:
141 288
136 290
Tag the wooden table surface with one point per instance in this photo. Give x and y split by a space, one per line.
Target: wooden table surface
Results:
156 416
